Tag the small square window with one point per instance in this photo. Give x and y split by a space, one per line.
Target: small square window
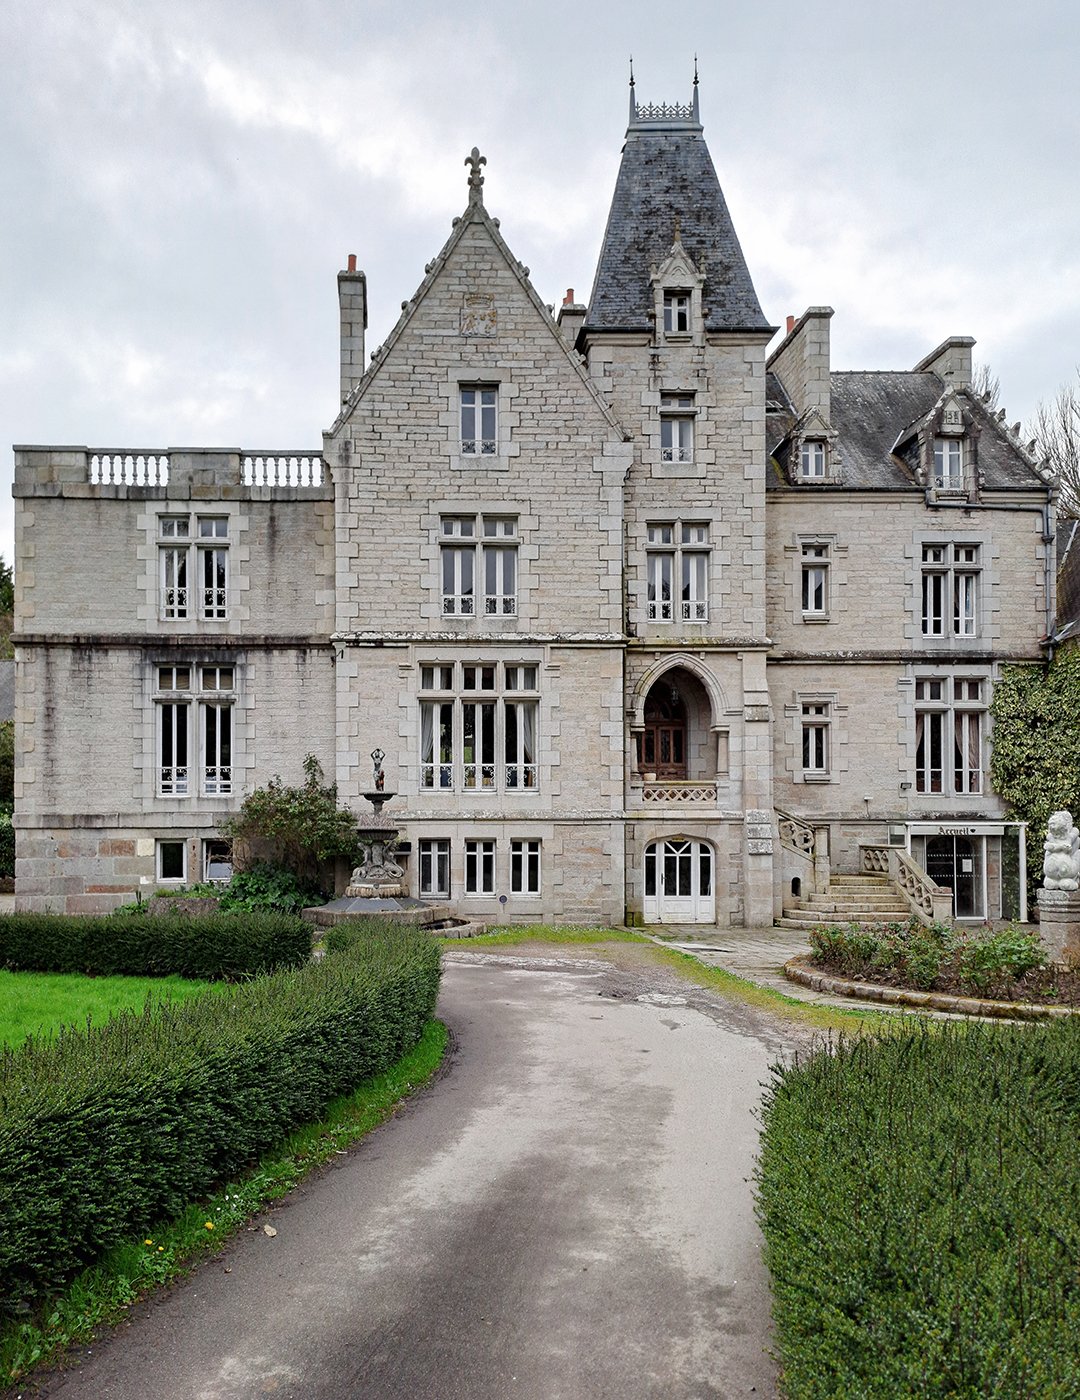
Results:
500 526
213 527
174 527
172 861
174 678
217 861
217 678
478 678
436 677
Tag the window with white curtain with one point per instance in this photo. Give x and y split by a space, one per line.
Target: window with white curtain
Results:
478 726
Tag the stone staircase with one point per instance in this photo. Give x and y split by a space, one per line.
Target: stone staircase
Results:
858 899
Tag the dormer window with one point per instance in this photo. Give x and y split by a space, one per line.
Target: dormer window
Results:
812 460
949 463
676 313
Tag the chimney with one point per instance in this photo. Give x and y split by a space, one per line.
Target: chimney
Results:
802 361
352 306
571 317
951 361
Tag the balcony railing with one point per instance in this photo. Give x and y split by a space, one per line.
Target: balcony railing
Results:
679 792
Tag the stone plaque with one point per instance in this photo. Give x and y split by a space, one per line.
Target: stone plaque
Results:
478 316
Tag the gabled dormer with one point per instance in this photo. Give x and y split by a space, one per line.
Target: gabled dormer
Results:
942 447
813 457
677 296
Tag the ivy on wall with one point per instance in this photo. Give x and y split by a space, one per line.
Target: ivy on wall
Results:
1035 761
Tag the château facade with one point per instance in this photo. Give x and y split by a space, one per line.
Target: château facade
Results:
647 621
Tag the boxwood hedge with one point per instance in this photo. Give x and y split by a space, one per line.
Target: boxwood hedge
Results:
209 946
920 1200
103 1132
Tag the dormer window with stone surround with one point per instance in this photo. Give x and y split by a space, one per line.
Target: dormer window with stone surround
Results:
677 427
676 313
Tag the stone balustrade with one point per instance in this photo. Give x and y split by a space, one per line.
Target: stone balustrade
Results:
678 792
113 469
926 900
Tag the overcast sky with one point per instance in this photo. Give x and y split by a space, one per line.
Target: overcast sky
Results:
181 182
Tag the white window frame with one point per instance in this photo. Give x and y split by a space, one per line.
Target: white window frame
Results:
949 589
433 867
950 725
479 551
193 563
478 407
949 463
479 725
159 854
480 857
814 568
206 694
677 413
677 311
677 550
525 866
815 737
813 459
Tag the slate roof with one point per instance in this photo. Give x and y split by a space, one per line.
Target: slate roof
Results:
666 171
870 409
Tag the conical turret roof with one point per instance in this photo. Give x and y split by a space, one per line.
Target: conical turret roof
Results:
666 175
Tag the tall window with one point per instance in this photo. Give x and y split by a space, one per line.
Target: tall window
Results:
206 693
949 463
193 567
816 724
812 459
524 867
950 580
495 537
949 724
479 410
478 727
677 571
815 579
677 427
479 867
676 313
433 855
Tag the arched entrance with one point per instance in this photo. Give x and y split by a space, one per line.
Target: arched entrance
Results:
679 882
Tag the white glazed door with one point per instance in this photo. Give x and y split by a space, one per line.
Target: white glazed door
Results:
679 883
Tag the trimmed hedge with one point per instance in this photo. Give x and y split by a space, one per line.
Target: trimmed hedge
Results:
211 946
103 1132
920 1200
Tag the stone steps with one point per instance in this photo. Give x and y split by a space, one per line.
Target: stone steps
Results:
850 899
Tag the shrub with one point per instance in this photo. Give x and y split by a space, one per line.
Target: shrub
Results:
267 886
212 946
920 1202
108 1130
301 829
990 962
7 843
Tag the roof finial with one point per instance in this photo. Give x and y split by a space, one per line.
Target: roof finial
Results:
677 240
633 99
694 109
474 160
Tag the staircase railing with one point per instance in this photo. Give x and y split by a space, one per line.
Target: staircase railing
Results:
926 900
809 842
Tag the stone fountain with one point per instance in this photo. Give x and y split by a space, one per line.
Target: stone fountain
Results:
376 885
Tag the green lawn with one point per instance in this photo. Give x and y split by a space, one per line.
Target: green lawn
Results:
42 1002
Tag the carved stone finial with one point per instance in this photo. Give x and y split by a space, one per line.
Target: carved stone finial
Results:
474 160
1061 858
677 240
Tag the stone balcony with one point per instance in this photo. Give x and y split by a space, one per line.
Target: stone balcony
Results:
119 472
